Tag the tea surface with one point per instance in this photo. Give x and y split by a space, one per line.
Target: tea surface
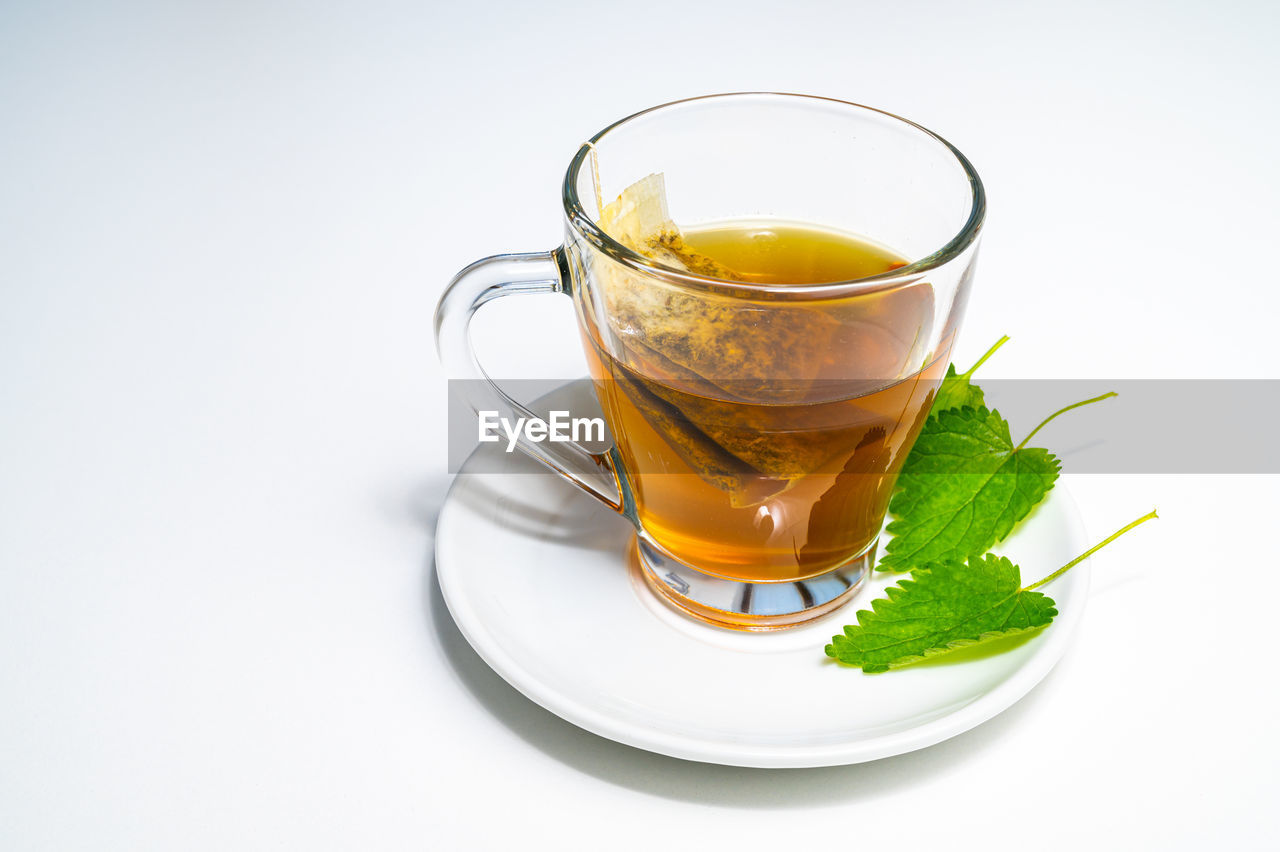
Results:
790 253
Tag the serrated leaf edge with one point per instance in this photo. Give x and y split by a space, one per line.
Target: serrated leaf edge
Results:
892 593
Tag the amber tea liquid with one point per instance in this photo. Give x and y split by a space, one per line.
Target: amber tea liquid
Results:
776 462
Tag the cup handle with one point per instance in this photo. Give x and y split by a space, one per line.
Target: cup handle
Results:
482 282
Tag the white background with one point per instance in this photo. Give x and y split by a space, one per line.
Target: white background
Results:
223 230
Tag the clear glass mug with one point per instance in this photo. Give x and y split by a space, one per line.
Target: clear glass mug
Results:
758 428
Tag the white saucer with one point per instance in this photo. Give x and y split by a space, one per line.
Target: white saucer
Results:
535 574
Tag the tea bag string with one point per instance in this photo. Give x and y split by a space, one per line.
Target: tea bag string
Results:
595 177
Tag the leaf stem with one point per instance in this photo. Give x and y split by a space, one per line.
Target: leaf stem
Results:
1001 342
1045 422
1083 556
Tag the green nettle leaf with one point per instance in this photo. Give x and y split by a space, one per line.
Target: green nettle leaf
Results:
964 486
958 390
949 605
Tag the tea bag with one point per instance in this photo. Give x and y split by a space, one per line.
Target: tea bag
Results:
743 350
700 361
640 221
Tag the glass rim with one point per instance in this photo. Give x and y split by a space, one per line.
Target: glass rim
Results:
589 229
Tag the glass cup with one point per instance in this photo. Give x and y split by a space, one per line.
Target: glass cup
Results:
758 428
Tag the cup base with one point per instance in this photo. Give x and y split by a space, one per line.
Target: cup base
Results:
739 605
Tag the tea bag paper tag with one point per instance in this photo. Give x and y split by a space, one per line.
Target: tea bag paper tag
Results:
640 220
639 214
